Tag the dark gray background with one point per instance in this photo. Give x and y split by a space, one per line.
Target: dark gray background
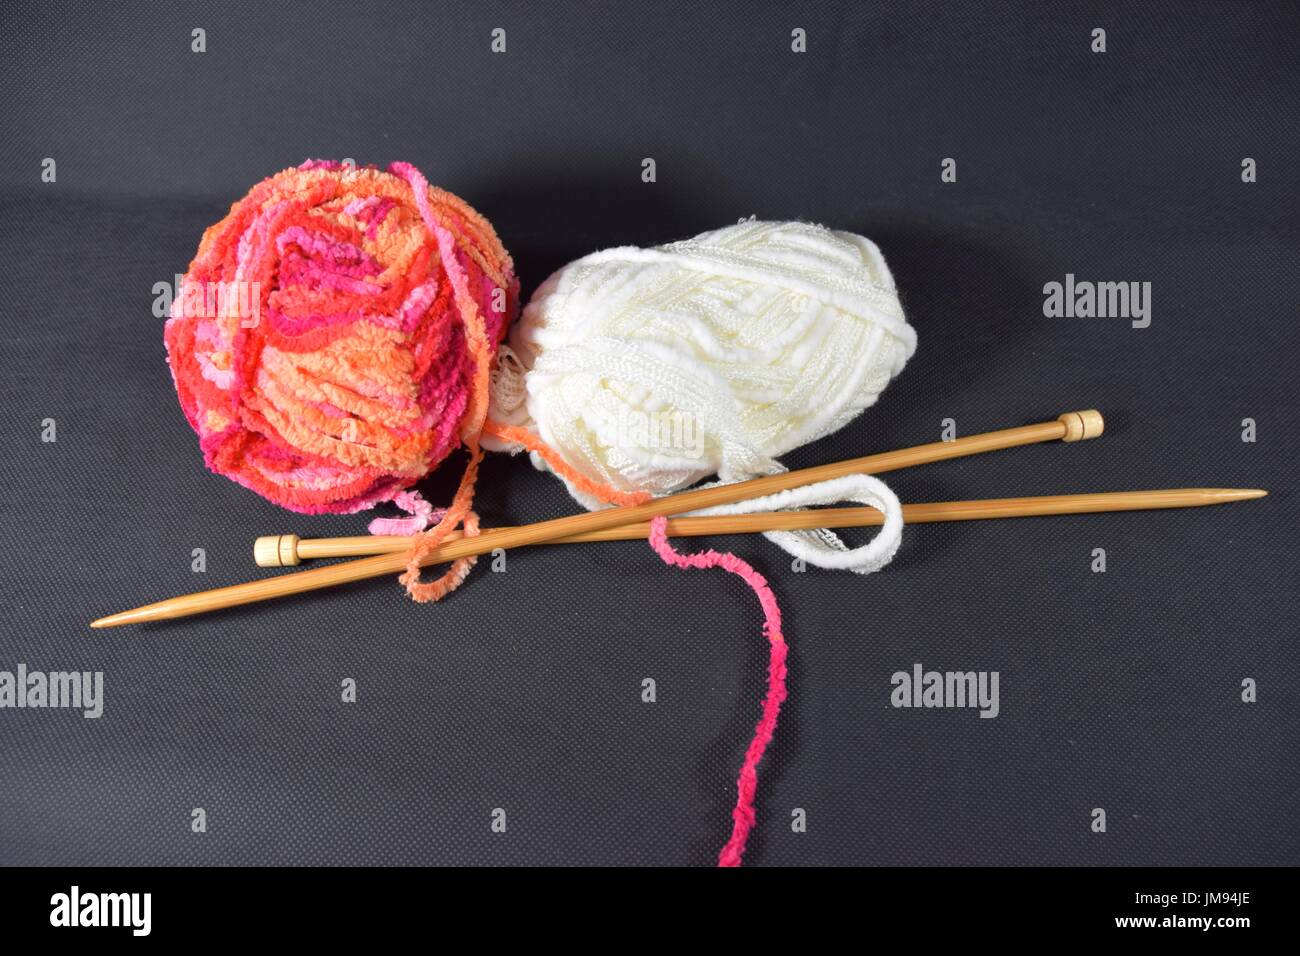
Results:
1119 690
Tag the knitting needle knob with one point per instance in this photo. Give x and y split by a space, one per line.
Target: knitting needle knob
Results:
1083 425
276 551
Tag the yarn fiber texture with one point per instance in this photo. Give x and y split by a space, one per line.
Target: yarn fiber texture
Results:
331 340
650 369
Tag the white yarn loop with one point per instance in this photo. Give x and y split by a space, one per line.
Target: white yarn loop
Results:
823 548
652 369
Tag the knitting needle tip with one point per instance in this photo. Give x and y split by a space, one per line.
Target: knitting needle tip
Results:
1224 495
137 615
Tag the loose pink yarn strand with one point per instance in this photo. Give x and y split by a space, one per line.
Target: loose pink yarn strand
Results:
747 782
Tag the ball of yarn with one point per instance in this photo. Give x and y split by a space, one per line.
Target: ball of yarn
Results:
649 369
330 342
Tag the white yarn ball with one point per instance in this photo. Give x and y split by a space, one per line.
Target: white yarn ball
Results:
650 369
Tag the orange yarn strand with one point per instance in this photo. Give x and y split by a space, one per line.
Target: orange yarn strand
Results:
522 436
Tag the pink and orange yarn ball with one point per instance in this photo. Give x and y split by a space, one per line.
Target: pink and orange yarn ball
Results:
332 338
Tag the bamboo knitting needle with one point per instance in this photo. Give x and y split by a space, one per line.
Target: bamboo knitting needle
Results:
1070 427
280 550
721 524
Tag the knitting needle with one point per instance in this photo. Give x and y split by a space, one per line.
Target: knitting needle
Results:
282 550
732 524
1070 427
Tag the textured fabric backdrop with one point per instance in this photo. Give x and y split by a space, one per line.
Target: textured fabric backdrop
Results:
1119 690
